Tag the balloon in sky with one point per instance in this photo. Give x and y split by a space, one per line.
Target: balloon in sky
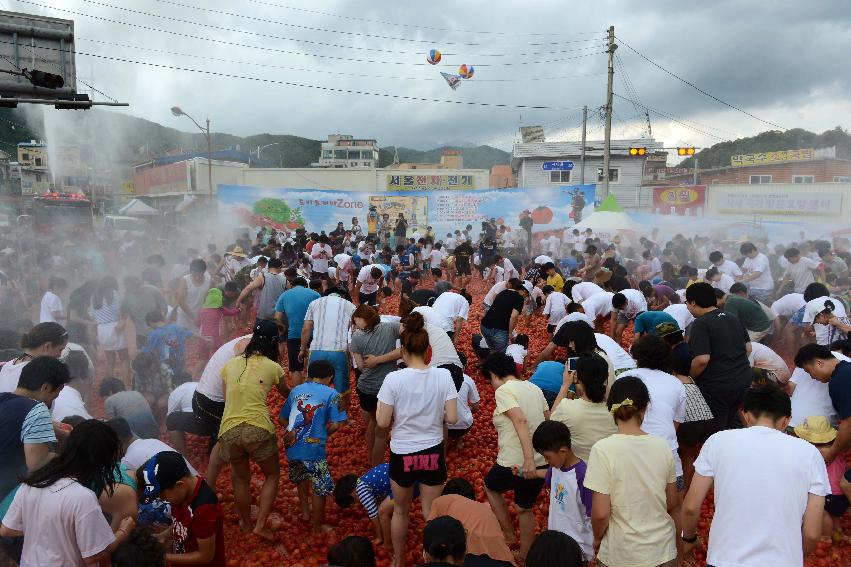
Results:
433 57
466 71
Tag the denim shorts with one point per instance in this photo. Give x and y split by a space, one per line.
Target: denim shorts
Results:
497 339
338 360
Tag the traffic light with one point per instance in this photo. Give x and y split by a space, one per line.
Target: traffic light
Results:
637 152
685 151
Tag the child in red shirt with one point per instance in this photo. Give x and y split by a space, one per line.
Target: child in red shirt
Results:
198 536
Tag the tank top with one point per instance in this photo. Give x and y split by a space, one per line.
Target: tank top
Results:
273 286
195 295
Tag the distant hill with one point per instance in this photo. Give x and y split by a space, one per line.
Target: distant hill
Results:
795 139
475 157
123 140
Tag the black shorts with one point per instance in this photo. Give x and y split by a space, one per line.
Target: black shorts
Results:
209 412
368 402
293 348
187 421
368 298
427 467
502 479
463 269
835 504
458 433
550 329
457 374
319 276
694 433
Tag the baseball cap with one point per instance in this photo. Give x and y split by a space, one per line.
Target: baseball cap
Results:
667 328
161 472
528 285
265 328
821 305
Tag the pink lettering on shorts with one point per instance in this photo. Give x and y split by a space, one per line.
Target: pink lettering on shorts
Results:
408 461
421 462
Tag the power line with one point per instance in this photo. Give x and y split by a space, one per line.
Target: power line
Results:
289 52
297 26
695 87
346 32
323 71
323 88
416 26
672 118
730 134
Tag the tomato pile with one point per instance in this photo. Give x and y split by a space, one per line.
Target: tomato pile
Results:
295 546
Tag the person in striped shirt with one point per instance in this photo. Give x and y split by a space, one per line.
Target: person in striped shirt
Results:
374 494
325 335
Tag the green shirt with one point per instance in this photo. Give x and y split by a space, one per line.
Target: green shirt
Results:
748 312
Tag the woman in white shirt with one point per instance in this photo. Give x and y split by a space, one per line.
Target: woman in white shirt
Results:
56 509
417 400
106 312
45 339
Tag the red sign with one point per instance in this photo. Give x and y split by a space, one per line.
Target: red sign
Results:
688 200
168 178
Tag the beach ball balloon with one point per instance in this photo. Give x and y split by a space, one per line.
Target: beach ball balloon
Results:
466 71
433 57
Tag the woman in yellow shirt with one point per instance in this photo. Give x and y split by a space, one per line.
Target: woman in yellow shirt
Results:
247 432
632 476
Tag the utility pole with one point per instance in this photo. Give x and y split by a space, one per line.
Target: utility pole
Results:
608 132
696 177
209 157
584 132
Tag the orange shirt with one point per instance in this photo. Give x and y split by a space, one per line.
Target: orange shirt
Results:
484 536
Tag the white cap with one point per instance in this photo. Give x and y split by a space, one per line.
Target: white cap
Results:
528 285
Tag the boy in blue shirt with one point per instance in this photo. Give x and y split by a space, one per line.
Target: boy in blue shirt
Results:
311 413
167 341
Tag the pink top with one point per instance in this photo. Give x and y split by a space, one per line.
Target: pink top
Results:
835 472
209 319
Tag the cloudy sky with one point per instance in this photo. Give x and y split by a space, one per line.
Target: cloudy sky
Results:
783 62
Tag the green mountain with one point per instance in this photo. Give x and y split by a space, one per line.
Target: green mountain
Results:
795 139
123 140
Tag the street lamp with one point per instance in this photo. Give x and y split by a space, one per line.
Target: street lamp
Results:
260 149
177 111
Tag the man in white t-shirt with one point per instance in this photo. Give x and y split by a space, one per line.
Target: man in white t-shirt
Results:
757 273
765 359
769 487
345 268
788 304
449 243
583 290
555 307
455 308
725 266
508 268
320 254
137 451
367 284
819 312
598 305
52 310
680 312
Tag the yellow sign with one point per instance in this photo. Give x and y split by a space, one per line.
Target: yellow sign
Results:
772 157
127 187
414 182
415 210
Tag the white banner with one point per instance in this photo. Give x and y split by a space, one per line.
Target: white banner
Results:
770 201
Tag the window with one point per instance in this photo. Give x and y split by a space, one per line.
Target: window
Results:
803 179
715 182
842 178
614 174
560 176
328 154
340 154
353 164
353 154
25 157
38 161
758 179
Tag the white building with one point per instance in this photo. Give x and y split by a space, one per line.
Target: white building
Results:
625 171
343 151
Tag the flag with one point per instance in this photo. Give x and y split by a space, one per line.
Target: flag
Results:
452 80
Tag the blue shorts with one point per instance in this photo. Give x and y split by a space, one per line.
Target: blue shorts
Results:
797 317
314 471
338 360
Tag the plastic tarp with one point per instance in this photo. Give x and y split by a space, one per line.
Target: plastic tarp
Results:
137 208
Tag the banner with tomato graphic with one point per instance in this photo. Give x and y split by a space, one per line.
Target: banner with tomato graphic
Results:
551 209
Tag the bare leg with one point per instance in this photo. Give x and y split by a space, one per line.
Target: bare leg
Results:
110 366
526 520
214 467
319 524
124 366
427 496
241 478
303 489
369 434
399 524
499 507
272 471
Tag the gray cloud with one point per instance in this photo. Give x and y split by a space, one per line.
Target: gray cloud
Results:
782 61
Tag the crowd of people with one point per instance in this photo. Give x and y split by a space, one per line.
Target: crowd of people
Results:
664 383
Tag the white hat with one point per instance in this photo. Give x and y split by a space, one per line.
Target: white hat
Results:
528 285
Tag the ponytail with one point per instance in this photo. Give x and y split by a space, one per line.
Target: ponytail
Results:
627 398
414 338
